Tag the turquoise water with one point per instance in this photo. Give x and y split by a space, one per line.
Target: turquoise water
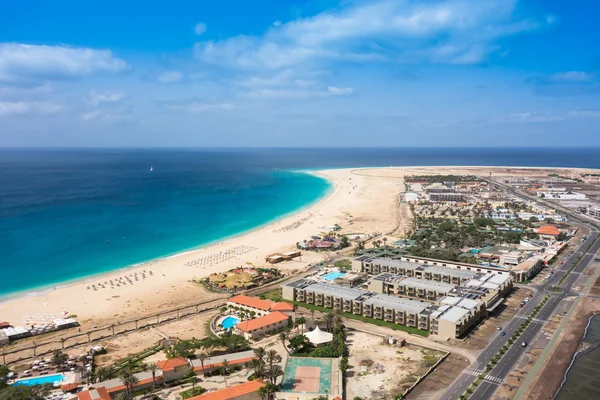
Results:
40 380
68 214
230 322
333 275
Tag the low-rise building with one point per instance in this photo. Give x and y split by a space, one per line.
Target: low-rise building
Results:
216 362
258 306
243 391
260 327
403 311
447 196
174 368
594 212
527 269
399 285
94 394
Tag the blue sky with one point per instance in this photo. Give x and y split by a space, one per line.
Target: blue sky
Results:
300 73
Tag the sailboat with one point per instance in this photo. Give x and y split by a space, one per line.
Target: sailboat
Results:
151 169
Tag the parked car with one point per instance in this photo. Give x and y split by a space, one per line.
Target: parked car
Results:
524 344
499 328
502 333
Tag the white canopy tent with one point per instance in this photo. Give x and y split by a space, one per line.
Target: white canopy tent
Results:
317 336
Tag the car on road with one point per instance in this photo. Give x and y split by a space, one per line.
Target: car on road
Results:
524 344
499 328
502 333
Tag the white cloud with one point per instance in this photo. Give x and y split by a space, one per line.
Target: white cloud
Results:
295 93
585 113
107 116
336 91
277 23
8 108
200 28
573 76
170 77
452 31
195 106
23 63
96 98
535 117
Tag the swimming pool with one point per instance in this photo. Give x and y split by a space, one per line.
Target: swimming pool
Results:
230 322
333 275
40 380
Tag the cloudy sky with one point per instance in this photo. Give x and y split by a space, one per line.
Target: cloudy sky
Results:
300 73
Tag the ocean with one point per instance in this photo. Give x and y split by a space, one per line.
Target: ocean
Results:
67 214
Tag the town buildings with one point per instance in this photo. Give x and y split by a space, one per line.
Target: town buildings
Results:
243 391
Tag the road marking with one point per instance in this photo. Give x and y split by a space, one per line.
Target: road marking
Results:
472 372
494 379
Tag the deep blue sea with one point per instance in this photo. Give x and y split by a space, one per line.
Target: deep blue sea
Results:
58 208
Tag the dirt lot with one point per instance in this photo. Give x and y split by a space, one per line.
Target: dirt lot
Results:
550 377
436 383
479 338
134 342
380 371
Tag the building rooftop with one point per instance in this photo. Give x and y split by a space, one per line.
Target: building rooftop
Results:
94 394
468 304
261 322
548 230
454 314
232 392
171 364
397 303
338 291
253 302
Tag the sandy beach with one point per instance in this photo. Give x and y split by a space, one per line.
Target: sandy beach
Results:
367 197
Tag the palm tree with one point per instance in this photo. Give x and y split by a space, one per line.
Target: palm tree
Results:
274 372
202 356
283 337
329 317
153 367
123 396
129 380
312 315
258 366
384 241
301 321
272 357
224 365
337 316
260 353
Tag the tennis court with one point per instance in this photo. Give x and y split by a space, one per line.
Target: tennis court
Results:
307 375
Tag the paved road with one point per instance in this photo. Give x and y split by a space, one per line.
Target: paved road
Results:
495 377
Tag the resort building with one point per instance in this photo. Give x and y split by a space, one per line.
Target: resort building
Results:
260 327
94 394
527 269
216 362
399 285
243 391
174 368
403 311
258 306
594 212
548 232
425 268
448 196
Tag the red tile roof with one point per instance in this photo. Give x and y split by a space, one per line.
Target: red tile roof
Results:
69 386
256 323
120 388
231 363
102 394
283 306
171 364
548 230
231 392
253 302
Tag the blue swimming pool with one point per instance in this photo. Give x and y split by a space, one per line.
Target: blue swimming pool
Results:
333 275
230 322
40 380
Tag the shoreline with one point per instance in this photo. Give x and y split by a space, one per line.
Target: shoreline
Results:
359 202
49 288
